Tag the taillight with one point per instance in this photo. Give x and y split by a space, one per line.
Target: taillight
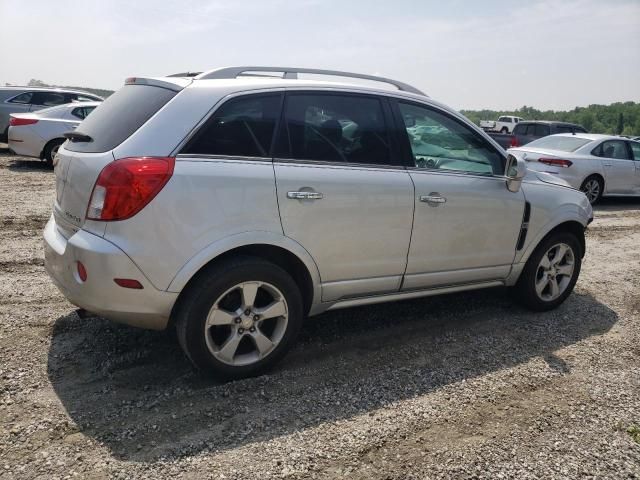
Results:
556 162
17 121
514 142
126 186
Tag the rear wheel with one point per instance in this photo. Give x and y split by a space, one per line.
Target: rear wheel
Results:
239 318
550 273
51 149
593 187
504 130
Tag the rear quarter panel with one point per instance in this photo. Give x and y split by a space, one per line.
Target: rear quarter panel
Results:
204 202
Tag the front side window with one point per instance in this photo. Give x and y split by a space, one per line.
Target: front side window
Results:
242 127
335 128
442 143
613 149
22 98
635 148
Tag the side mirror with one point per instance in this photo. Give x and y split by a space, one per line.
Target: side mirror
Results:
515 171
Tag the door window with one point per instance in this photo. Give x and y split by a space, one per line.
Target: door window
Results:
242 127
48 99
441 143
635 148
540 130
520 129
335 128
612 149
23 98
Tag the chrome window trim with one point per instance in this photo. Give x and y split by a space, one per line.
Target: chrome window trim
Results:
229 158
437 171
345 165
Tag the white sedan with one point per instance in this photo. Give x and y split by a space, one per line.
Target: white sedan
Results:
40 134
599 165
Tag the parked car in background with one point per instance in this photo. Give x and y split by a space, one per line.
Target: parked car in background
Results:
505 124
598 165
232 206
529 130
28 99
40 134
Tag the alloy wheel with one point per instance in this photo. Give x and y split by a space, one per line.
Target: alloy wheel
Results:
554 272
591 189
246 323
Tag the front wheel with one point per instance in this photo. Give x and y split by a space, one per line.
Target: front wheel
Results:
550 273
239 318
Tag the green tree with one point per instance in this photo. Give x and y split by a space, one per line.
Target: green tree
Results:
620 127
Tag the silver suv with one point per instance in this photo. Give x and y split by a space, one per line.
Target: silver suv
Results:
231 206
29 99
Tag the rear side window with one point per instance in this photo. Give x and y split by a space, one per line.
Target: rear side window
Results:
119 116
520 129
635 148
82 112
242 127
22 98
564 129
563 144
335 128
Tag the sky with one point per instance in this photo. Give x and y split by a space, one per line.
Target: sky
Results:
468 54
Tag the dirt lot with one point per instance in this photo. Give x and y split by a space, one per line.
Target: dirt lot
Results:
462 386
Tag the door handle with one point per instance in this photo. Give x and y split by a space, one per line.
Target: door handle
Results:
607 164
433 199
305 195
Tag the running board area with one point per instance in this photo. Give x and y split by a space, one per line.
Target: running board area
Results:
392 297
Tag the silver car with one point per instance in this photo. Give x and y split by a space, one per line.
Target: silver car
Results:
599 165
232 206
15 99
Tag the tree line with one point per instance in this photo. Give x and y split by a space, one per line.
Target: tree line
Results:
621 118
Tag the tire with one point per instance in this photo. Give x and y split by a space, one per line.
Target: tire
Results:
589 187
4 137
534 273
230 349
504 130
51 149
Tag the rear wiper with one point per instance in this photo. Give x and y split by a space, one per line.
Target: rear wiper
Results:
76 136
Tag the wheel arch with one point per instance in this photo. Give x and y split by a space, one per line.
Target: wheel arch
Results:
598 175
51 142
286 253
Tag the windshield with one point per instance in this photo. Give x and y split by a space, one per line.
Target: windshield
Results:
561 143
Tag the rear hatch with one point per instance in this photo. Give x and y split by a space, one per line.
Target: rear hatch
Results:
90 147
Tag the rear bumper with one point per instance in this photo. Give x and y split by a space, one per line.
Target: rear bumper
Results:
146 308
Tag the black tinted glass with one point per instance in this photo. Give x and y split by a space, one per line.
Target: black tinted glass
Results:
119 116
519 129
563 129
22 98
241 127
336 128
541 130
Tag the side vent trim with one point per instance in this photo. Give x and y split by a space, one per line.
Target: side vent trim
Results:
525 226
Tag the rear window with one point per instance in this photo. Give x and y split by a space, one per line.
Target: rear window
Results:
119 116
563 144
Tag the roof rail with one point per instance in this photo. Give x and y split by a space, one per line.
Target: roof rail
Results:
292 73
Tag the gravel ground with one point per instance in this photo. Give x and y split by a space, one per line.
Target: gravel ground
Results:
461 386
